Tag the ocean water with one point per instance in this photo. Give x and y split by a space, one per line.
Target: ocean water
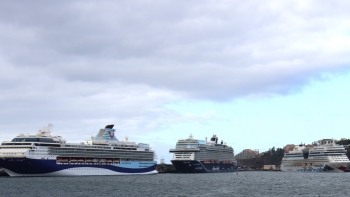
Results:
209 184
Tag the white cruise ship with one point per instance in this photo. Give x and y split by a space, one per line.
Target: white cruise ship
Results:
328 157
199 156
46 155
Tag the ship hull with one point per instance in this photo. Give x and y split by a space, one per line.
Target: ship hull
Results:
42 167
194 166
329 167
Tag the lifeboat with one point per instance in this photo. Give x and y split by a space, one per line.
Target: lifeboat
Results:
95 160
73 160
88 160
109 160
64 159
102 160
80 159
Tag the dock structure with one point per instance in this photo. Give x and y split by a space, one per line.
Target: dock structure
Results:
269 168
165 168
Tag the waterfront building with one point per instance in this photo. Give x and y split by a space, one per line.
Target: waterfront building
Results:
288 147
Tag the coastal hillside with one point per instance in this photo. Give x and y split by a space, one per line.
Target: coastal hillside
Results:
272 157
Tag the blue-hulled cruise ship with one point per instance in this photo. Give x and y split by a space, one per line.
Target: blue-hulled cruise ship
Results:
46 155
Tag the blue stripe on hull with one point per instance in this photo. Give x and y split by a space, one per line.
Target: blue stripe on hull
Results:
193 166
34 166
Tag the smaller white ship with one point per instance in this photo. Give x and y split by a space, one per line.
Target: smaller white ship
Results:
323 157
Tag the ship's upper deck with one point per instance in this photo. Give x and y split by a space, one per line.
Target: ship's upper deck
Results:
195 145
317 149
105 139
43 135
24 145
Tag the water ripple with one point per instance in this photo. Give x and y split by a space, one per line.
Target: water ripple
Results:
176 185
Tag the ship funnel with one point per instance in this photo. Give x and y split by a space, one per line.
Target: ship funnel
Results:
214 139
106 134
110 126
306 153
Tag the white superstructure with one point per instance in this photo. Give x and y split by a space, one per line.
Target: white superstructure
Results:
328 157
192 155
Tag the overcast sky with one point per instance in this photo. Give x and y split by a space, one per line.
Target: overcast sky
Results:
256 73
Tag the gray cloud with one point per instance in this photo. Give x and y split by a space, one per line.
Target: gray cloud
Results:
88 61
213 50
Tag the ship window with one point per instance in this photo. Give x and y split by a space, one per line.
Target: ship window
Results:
32 140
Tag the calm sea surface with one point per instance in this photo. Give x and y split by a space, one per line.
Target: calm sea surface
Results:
210 184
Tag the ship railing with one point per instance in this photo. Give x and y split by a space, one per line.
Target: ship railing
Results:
97 160
87 161
99 156
184 150
107 142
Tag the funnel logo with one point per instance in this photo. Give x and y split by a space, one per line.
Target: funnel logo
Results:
111 134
